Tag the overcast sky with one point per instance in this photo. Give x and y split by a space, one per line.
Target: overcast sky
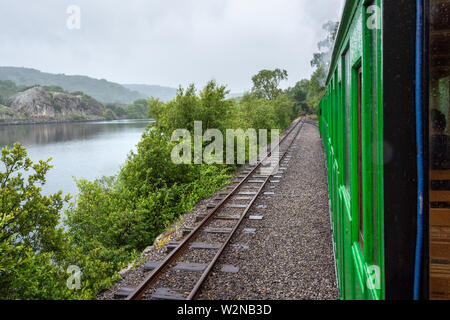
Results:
166 42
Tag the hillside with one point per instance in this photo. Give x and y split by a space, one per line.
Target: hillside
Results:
101 90
163 93
50 103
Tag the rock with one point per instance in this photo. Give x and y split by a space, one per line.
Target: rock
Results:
41 103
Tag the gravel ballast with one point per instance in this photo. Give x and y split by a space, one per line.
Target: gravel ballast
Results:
288 253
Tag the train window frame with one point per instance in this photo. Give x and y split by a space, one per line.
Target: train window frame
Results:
360 184
347 136
372 103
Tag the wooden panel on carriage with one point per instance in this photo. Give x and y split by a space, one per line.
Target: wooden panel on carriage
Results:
439 68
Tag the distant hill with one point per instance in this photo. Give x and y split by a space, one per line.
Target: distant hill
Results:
101 90
163 93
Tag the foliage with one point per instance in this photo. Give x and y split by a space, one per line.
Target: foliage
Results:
109 114
6 111
266 82
7 89
114 218
54 89
138 109
120 216
298 95
78 117
256 113
35 250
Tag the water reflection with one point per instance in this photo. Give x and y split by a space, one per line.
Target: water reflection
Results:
42 134
78 150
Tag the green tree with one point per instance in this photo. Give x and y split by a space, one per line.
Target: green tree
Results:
266 82
109 114
138 109
35 250
7 89
298 95
118 109
30 238
316 88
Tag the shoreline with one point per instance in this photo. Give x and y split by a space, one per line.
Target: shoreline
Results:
29 122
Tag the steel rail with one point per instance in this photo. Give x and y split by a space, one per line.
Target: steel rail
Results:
230 236
171 257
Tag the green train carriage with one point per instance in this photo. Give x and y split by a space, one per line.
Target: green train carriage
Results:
385 122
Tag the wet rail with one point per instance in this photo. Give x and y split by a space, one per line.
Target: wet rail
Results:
198 252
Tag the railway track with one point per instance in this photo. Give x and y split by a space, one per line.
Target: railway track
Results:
198 252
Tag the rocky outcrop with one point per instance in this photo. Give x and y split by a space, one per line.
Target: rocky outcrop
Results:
41 103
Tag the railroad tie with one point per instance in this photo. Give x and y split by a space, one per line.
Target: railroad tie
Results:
200 217
190 267
124 292
243 198
228 268
168 294
255 181
249 230
194 245
205 245
241 246
187 231
236 206
227 217
251 193
252 180
150 265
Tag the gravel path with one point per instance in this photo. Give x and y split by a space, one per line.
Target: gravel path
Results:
291 254
288 255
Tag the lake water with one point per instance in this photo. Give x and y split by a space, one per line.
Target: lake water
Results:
82 150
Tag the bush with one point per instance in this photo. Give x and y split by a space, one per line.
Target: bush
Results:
78 117
114 218
35 251
109 114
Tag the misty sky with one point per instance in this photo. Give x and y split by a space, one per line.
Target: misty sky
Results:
166 42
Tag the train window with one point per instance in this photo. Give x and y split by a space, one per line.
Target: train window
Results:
439 142
360 173
347 104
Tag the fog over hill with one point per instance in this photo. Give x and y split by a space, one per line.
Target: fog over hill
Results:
163 93
100 89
